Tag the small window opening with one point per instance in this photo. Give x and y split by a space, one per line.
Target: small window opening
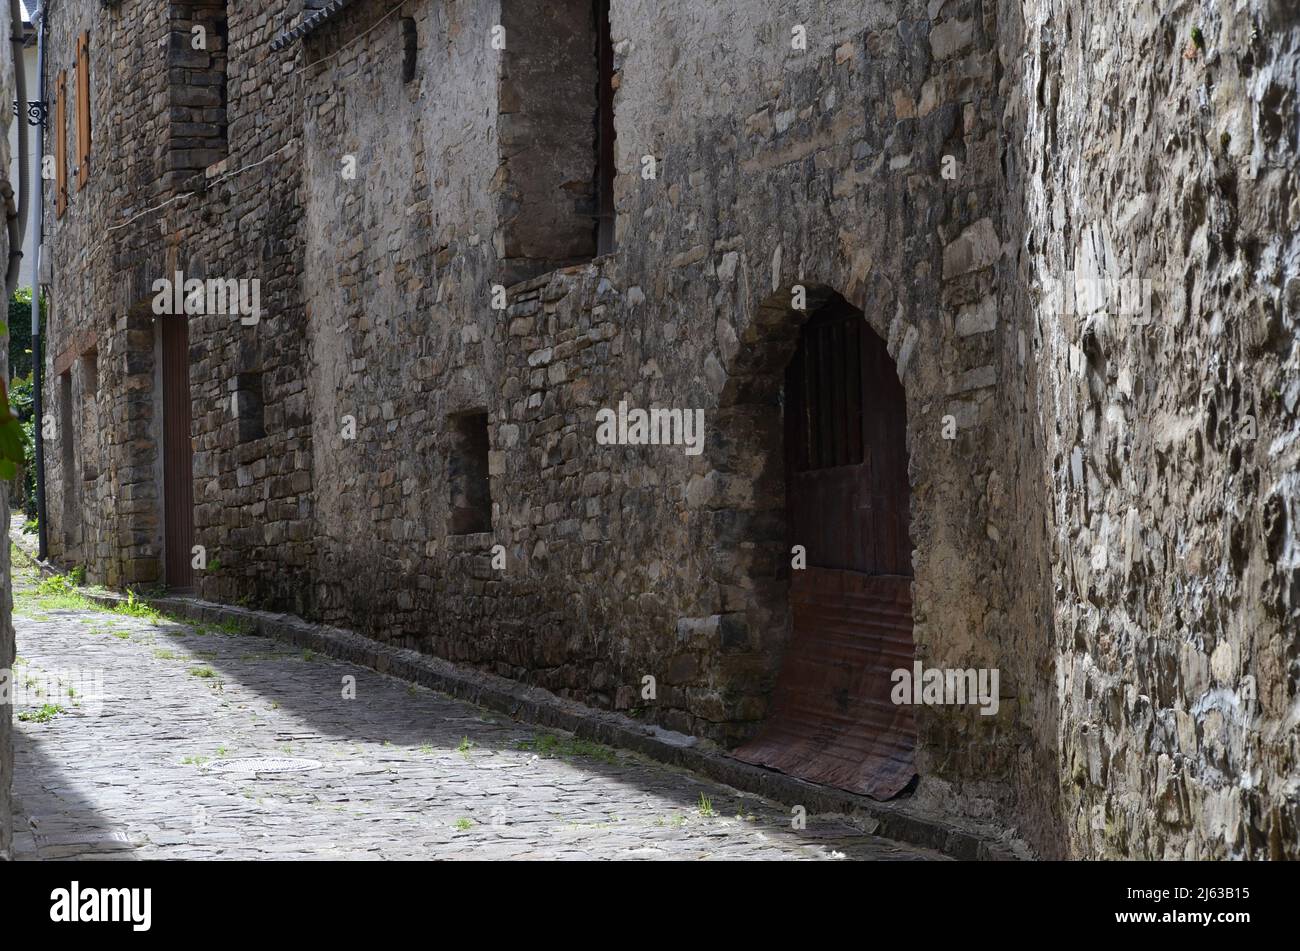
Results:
67 443
68 462
471 492
249 406
90 373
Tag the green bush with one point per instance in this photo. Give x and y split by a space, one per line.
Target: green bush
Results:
20 331
17 447
57 584
20 401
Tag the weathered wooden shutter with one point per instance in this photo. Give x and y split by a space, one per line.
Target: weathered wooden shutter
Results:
61 144
83 110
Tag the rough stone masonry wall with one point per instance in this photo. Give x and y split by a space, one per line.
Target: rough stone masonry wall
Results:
1169 451
180 183
252 471
775 166
397 255
105 255
6 582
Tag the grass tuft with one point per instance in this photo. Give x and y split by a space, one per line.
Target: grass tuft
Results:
549 746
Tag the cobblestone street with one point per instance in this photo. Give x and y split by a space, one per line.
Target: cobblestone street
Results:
153 770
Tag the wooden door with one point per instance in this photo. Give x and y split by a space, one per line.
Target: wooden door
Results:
178 472
846 448
832 719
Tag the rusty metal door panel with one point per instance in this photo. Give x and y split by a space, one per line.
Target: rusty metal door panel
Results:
178 472
832 719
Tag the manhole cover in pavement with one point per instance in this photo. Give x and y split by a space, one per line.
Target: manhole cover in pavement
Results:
266 764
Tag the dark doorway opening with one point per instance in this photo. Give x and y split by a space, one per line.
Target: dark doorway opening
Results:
178 472
832 719
71 477
604 131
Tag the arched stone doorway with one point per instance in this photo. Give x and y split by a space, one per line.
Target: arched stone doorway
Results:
847 512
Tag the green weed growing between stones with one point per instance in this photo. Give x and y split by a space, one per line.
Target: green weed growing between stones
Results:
549 746
705 807
139 608
45 714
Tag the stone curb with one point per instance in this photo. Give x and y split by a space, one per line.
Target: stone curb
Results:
538 706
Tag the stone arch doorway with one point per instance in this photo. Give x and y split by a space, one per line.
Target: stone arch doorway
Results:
847 509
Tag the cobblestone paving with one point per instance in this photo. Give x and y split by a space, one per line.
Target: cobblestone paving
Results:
400 772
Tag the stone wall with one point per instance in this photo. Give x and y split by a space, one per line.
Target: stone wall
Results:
193 173
774 166
252 468
1159 142
104 258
